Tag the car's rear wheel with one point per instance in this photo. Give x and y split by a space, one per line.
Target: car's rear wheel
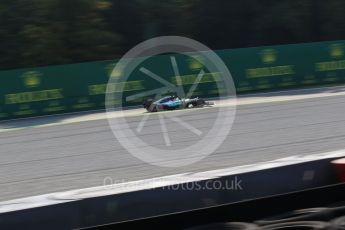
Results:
154 109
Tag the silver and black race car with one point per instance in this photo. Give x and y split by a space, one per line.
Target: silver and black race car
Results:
174 102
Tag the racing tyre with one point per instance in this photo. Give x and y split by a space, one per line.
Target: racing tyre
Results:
147 104
200 102
190 105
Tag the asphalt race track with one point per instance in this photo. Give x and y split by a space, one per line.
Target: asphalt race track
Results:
79 155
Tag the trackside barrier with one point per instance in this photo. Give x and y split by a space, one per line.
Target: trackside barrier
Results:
81 87
166 195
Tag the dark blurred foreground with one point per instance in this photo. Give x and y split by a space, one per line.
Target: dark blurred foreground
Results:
321 208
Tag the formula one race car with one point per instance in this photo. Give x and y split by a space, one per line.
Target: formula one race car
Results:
174 102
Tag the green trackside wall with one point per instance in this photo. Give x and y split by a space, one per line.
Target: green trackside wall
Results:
80 87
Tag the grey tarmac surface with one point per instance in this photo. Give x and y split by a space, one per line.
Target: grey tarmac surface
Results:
41 160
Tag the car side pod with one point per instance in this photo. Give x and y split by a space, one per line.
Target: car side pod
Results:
339 166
